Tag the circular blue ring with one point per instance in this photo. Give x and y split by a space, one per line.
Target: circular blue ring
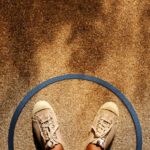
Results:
101 82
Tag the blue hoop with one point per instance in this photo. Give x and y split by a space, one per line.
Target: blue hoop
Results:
101 82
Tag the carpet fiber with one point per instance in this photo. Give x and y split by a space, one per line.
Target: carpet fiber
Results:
102 38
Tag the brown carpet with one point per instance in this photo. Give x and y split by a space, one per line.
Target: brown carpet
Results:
42 39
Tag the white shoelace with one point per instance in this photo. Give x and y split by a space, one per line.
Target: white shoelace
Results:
48 132
102 128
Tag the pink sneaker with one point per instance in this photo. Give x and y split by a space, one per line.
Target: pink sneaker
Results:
104 125
45 125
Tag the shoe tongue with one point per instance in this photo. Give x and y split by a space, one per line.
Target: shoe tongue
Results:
52 138
101 130
98 138
96 134
51 144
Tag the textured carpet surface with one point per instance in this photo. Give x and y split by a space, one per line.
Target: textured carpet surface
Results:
42 39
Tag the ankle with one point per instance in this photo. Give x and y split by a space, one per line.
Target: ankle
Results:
57 147
93 147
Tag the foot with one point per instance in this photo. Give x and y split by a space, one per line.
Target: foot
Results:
104 125
45 125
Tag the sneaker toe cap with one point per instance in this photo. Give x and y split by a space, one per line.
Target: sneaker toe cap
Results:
112 107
